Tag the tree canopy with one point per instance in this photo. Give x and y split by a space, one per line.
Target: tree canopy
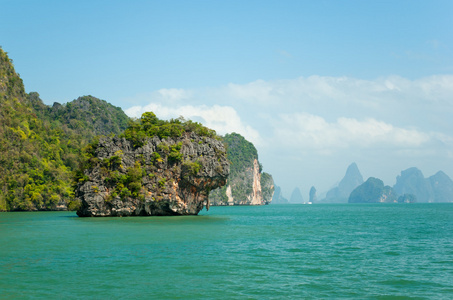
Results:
149 126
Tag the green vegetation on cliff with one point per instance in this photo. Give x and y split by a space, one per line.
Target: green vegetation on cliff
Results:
32 168
149 126
241 153
40 145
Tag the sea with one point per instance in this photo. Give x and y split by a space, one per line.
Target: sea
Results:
319 251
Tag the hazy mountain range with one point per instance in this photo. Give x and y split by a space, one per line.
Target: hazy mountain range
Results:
411 183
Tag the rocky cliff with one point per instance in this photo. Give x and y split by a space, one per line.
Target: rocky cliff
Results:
161 175
247 184
256 197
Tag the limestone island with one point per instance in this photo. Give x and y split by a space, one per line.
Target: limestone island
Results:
156 168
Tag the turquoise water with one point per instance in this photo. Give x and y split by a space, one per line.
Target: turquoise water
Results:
382 251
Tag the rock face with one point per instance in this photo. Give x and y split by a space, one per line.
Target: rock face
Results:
256 197
436 188
168 176
350 181
373 191
247 184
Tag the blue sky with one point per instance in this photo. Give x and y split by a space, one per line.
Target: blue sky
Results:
315 85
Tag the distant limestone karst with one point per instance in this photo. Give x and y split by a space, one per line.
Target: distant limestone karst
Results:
278 197
296 196
312 195
350 181
436 188
373 191
411 186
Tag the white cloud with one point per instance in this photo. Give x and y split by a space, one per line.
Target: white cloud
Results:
256 92
436 88
306 131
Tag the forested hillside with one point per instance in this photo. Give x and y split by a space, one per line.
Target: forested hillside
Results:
40 145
